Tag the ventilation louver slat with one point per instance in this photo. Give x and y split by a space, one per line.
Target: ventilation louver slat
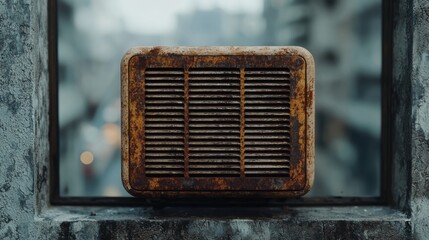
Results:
214 122
267 121
164 126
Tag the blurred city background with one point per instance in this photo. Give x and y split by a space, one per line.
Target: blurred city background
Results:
343 36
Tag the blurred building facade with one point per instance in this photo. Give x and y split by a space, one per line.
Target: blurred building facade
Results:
345 40
344 37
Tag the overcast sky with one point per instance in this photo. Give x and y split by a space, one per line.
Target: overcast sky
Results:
154 17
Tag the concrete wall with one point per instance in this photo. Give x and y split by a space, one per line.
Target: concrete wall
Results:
23 97
24 150
420 119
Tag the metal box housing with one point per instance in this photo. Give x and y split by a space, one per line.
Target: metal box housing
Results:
217 121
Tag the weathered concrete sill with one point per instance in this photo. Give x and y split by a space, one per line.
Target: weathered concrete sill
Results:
215 223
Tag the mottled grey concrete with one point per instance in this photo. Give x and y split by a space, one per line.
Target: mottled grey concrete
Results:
24 173
420 120
40 106
19 43
226 223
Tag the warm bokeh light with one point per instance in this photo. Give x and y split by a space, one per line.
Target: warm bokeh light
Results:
86 157
112 133
111 191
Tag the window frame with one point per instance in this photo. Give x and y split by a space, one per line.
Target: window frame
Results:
384 199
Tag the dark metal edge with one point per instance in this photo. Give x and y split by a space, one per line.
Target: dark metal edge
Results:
54 167
386 102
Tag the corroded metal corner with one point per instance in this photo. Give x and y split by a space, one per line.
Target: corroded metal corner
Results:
217 121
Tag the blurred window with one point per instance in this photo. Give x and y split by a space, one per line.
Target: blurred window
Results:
344 37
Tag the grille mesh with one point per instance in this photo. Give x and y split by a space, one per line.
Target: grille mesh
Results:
217 122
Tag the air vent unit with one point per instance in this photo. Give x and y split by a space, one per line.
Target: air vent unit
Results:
217 121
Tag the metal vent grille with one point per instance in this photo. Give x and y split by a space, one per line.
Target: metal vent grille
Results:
267 139
222 121
214 122
164 126
233 122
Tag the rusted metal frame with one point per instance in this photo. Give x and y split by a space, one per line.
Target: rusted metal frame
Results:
143 114
242 123
310 94
186 122
306 121
136 131
216 184
298 127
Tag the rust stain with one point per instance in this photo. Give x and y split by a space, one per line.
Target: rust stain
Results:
298 112
166 184
155 51
136 117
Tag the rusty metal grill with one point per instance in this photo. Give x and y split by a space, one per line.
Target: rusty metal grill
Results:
214 122
229 124
164 126
267 118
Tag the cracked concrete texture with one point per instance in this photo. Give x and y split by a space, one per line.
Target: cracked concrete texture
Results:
24 172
